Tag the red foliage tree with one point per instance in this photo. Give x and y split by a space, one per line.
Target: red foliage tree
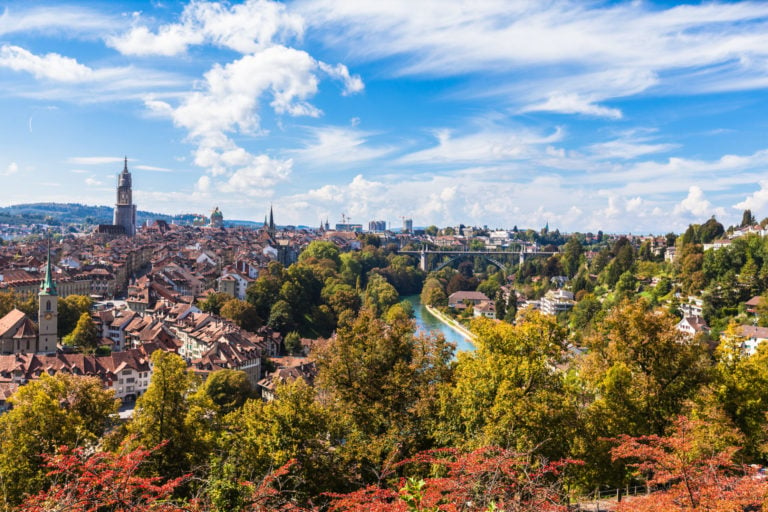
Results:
100 481
689 474
485 479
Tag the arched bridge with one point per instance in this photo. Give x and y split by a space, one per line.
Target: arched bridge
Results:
493 257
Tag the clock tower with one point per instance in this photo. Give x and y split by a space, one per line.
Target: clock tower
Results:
48 311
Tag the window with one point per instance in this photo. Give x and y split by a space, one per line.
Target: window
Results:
48 305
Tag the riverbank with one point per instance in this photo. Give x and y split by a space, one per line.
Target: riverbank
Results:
450 322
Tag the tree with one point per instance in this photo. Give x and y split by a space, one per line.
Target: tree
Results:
690 474
242 313
571 259
71 309
379 295
747 219
228 389
741 385
281 317
433 293
46 414
710 230
431 230
509 391
87 482
381 381
320 250
85 335
213 302
639 371
165 416
262 436
486 479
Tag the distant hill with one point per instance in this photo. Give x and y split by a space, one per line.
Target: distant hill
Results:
75 213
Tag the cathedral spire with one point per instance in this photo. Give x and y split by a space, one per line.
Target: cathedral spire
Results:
271 220
125 166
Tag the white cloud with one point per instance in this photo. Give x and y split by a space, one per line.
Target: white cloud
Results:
256 177
93 182
335 145
561 49
12 168
694 203
573 104
152 168
246 28
51 66
94 160
628 148
756 201
486 145
53 19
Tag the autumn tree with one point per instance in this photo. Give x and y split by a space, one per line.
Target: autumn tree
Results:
242 313
46 414
86 481
262 436
688 473
483 480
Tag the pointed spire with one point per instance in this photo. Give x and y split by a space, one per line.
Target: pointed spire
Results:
125 166
48 286
271 219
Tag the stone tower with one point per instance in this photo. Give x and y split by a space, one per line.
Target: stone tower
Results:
48 311
125 210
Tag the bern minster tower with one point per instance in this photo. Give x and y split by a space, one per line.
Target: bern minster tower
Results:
48 311
125 210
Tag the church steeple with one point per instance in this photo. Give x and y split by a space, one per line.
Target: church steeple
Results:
48 311
48 286
271 220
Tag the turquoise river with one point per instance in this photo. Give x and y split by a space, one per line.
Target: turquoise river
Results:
426 321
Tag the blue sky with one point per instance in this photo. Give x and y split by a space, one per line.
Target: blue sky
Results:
634 117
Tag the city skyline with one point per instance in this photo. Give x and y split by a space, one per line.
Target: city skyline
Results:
614 116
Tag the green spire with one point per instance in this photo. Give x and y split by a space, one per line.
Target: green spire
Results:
48 286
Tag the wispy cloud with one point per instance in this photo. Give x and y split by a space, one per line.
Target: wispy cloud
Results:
12 168
94 160
554 45
152 168
337 145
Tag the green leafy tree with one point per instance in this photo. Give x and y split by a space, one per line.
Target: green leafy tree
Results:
379 295
71 309
509 391
293 343
281 317
381 383
640 371
171 412
228 389
85 335
747 219
320 250
214 302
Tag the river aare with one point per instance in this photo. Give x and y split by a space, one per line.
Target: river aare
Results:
426 321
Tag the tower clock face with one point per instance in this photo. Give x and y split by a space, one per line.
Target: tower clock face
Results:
48 316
